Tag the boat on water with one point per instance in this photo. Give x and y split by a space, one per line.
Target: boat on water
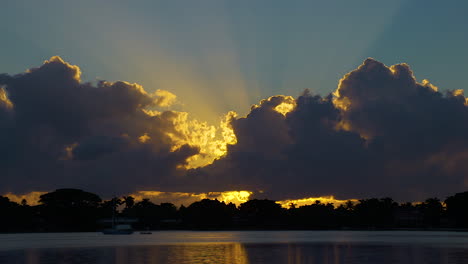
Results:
119 225
118 230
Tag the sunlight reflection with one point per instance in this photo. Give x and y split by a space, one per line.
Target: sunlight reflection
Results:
188 253
32 256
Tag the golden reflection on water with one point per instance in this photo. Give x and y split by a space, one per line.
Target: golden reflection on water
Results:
237 253
227 253
32 257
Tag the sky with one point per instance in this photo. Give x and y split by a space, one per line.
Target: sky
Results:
227 55
184 65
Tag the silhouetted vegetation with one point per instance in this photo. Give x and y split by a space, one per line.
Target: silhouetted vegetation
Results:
73 210
68 209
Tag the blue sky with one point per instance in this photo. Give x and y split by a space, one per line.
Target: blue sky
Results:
218 56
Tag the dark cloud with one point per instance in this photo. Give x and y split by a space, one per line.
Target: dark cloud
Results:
300 154
407 124
58 132
381 133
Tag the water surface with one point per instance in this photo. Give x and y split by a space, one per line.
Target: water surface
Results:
237 247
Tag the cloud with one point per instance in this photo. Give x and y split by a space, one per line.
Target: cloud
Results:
406 123
380 133
292 155
164 98
56 131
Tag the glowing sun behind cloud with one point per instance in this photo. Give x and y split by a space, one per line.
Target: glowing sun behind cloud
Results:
185 198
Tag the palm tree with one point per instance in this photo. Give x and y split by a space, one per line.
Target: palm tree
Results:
129 201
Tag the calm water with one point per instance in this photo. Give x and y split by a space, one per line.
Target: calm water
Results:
239 247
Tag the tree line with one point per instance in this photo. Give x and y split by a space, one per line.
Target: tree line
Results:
73 210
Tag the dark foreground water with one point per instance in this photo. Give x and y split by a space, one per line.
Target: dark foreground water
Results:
242 247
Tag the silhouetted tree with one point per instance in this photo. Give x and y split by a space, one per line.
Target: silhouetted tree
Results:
147 214
208 214
457 209
262 213
69 210
168 211
13 217
109 208
314 216
432 211
375 213
77 210
129 201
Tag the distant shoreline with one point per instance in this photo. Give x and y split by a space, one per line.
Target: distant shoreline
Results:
270 230
74 210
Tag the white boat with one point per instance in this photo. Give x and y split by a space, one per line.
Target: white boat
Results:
118 230
120 226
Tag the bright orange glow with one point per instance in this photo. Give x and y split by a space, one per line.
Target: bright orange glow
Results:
233 253
4 98
144 138
426 83
32 198
312 200
458 92
287 106
226 129
211 140
178 198
186 198
235 197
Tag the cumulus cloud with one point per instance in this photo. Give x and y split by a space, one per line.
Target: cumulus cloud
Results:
56 131
293 155
380 133
164 98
